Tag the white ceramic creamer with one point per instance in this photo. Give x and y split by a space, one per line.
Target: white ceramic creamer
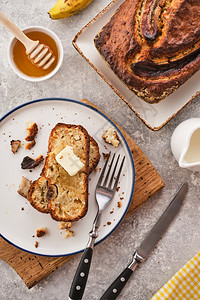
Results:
185 144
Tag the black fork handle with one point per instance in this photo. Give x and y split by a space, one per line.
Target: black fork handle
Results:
81 276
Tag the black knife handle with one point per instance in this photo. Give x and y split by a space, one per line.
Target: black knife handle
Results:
115 288
80 278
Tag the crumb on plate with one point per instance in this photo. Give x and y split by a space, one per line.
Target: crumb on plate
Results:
15 144
30 145
64 225
32 132
68 233
41 232
111 137
105 155
30 163
119 204
24 187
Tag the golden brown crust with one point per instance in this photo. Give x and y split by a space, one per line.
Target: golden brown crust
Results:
153 46
94 155
37 195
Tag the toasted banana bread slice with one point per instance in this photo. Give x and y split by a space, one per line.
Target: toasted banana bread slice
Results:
67 196
57 192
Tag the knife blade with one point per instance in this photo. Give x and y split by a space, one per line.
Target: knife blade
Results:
148 244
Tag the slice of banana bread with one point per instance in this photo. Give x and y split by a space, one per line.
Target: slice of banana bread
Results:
56 192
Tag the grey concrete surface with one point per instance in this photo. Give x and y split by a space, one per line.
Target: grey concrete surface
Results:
75 80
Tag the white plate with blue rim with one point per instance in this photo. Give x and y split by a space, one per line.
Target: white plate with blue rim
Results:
19 221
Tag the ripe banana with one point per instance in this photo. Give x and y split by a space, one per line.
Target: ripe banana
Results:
65 8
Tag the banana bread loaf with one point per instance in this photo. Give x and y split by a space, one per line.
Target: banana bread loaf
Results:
153 46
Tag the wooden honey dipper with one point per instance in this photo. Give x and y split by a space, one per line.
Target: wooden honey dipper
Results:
39 54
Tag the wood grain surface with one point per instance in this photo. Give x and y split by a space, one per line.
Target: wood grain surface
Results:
32 268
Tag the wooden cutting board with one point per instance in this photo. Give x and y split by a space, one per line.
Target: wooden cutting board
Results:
32 268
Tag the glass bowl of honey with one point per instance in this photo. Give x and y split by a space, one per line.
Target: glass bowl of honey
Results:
22 65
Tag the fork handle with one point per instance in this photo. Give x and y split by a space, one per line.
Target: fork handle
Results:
80 278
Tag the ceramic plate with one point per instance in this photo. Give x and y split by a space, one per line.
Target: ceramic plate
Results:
153 115
18 219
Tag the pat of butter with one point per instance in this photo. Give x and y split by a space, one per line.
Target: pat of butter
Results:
69 161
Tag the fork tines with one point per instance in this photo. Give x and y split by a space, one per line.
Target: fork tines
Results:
114 177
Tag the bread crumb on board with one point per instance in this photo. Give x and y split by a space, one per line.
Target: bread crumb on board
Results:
111 137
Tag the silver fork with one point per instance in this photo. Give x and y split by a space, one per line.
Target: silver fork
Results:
104 193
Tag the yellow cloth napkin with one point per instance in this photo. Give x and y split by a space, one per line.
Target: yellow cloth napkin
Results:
185 284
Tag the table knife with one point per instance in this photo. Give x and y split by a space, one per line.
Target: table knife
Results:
147 245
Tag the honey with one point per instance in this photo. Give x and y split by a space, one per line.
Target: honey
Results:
22 61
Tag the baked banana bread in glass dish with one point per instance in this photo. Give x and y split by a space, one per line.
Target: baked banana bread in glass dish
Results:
153 46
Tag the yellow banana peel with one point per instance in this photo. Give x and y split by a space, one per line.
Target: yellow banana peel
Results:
66 8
